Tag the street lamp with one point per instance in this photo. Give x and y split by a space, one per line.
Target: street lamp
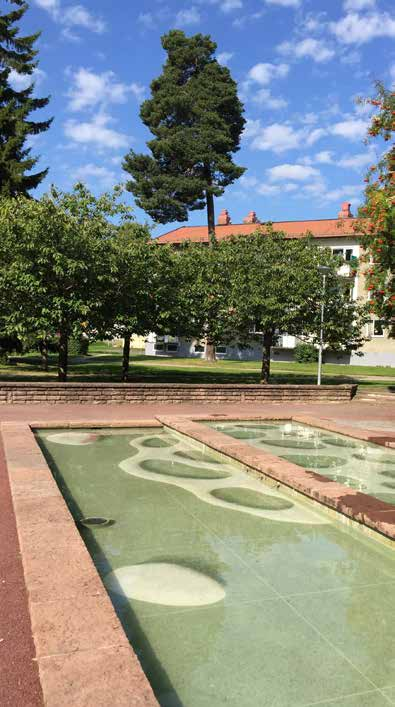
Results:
324 270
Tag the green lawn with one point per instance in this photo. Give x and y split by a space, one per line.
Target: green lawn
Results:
103 364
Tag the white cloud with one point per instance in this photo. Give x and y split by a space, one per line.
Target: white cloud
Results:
357 162
22 81
359 29
72 16
147 20
264 98
312 137
96 132
105 178
252 128
295 172
351 129
284 3
230 5
308 47
277 137
90 89
188 16
265 73
324 157
224 57
392 75
356 5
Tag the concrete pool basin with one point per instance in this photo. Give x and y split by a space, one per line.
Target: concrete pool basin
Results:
59 659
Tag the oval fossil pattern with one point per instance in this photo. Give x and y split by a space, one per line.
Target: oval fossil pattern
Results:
294 443
340 442
251 498
186 471
318 462
165 583
73 438
196 456
373 456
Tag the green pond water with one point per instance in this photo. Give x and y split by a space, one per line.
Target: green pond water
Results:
230 591
365 467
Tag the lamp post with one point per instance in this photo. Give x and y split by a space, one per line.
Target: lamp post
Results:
323 270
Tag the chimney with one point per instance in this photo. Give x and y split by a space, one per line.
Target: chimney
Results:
224 218
251 218
345 211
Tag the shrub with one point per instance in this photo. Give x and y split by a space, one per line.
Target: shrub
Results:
305 353
78 346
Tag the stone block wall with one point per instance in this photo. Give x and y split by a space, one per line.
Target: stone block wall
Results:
166 393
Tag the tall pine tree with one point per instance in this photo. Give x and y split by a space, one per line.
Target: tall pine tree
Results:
17 54
197 119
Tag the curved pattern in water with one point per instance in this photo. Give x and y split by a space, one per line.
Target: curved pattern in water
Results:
252 499
197 456
184 471
294 443
340 442
318 462
373 456
77 439
165 583
158 442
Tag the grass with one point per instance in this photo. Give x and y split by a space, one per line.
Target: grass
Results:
104 364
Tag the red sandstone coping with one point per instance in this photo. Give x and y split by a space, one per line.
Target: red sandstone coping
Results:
83 655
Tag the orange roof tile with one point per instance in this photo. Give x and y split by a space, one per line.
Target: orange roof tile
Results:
324 228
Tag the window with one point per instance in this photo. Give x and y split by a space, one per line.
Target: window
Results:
346 253
172 346
159 346
378 327
198 348
220 349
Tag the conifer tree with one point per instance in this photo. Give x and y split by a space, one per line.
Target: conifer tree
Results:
196 118
17 54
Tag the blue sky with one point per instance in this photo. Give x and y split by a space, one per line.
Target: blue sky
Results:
299 64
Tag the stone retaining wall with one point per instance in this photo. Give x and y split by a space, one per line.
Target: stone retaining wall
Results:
140 393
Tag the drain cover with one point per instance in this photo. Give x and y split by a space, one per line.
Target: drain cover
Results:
96 522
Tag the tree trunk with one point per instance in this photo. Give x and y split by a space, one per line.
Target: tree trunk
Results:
44 353
267 345
63 353
210 218
209 351
125 356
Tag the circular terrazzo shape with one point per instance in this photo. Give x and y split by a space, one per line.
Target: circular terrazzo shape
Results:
164 583
77 439
96 522
374 456
197 456
388 472
318 462
340 442
252 499
184 471
257 427
294 443
244 433
158 442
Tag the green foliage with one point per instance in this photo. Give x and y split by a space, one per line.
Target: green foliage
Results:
56 264
377 215
305 353
17 54
78 346
196 119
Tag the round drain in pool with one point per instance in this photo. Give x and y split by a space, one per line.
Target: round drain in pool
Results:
186 471
165 583
96 522
252 499
318 462
294 443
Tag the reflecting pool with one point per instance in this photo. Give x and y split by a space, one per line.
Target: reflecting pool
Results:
230 591
360 465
